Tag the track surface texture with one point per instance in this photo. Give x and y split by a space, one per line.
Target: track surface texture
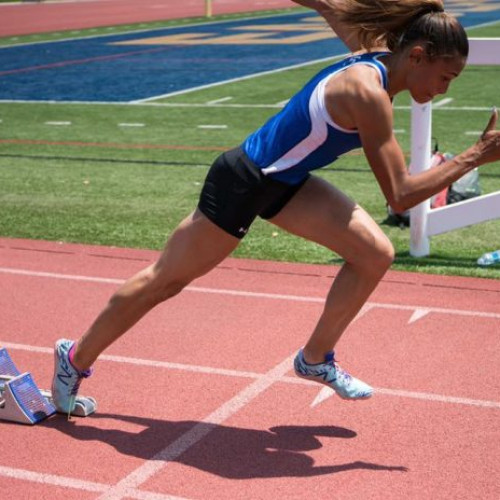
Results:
199 401
29 18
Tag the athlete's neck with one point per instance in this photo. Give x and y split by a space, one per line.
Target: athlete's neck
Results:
395 74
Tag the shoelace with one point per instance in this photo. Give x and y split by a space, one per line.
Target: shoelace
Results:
339 372
342 373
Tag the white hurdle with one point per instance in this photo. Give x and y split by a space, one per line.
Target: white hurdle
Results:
425 222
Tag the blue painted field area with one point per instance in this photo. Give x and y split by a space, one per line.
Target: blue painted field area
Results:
142 65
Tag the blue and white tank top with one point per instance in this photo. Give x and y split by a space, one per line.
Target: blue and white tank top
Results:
302 136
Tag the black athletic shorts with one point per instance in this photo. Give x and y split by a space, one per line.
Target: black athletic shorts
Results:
236 192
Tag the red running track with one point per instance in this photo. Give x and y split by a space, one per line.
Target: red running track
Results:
29 18
198 400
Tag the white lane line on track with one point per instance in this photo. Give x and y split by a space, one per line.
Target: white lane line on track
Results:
77 484
427 396
198 432
326 393
71 277
259 295
418 314
52 479
253 375
141 362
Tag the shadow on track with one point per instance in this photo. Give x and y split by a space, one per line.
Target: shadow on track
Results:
225 451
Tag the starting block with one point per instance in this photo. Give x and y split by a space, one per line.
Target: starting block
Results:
22 401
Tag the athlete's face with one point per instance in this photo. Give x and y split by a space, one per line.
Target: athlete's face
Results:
428 78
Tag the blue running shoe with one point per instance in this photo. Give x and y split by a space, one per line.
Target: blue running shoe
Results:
67 378
329 373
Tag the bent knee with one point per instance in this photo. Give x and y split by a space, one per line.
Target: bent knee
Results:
382 256
375 257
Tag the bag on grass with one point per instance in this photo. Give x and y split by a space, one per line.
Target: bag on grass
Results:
465 188
402 219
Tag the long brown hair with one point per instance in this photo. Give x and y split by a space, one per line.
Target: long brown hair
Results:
398 24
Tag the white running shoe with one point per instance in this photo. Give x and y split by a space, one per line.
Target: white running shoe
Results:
67 378
331 374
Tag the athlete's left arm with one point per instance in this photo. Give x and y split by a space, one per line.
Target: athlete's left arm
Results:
372 114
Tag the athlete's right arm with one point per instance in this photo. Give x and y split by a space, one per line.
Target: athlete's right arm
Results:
327 9
370 111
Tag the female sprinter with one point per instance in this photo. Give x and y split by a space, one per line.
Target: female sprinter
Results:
397 45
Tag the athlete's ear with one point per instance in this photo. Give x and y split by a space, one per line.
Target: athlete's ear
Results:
417 54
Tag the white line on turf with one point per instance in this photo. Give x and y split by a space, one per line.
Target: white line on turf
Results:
218 101
204 105
245 293
282 103
131 124
58 123
442 102
212 126
198 432
238 79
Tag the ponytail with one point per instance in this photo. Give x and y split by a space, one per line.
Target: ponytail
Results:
397 24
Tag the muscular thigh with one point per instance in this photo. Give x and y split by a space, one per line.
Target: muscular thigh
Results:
322 213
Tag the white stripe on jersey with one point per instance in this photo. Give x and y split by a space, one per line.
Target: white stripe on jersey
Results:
319 118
